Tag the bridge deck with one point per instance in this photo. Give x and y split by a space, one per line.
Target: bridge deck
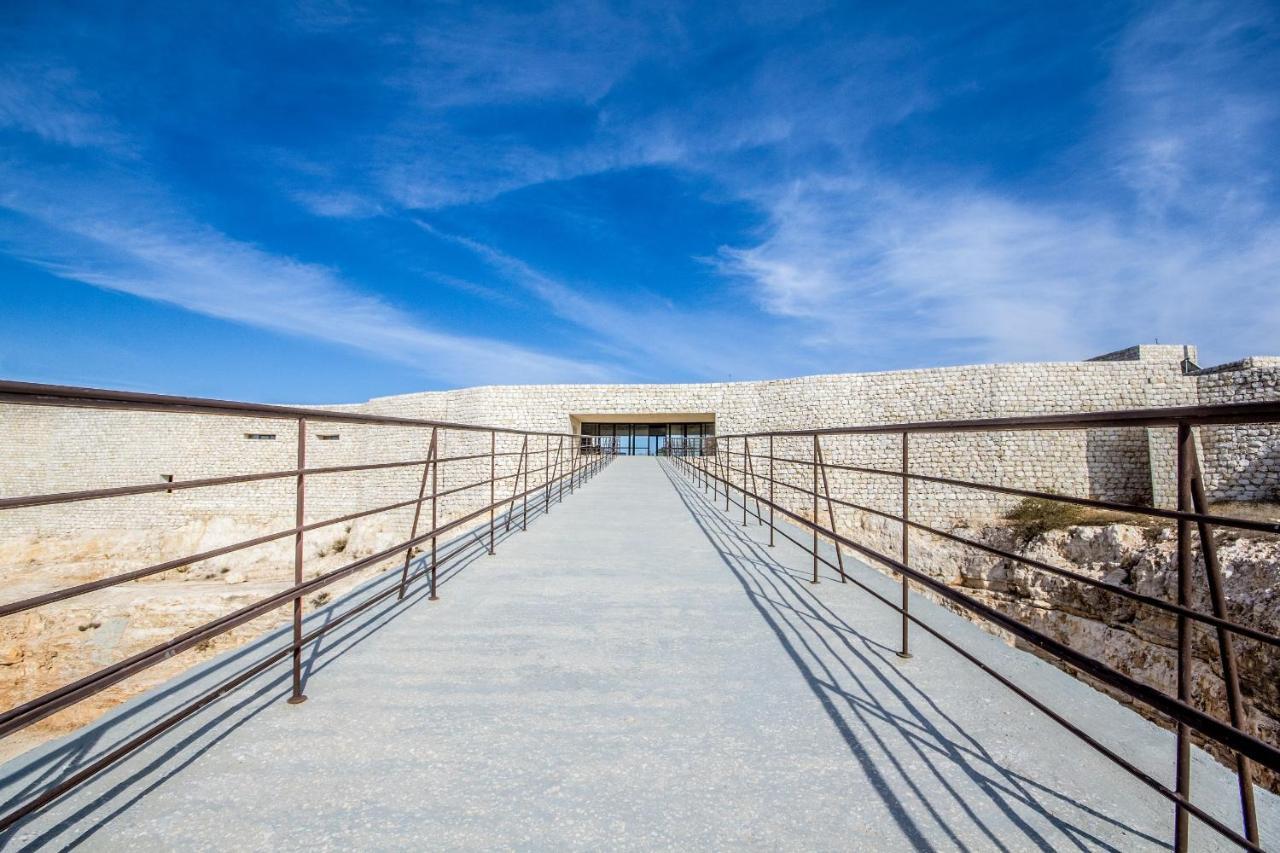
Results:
635 671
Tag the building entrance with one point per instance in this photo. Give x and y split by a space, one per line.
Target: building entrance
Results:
650 439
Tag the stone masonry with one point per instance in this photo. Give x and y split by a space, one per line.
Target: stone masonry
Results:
57 449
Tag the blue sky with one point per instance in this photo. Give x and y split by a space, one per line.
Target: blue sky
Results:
326 201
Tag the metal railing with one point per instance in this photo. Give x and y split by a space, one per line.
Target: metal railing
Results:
563 461
748 465
679 445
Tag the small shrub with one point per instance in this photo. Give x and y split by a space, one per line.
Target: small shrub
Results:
1036 516
340 545
320 599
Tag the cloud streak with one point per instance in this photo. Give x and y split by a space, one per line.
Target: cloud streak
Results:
964 271
50 102
650 335
166 257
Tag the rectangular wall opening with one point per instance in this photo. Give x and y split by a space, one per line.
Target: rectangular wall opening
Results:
646 434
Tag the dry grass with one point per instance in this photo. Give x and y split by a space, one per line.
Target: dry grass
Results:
1035 516
1250 510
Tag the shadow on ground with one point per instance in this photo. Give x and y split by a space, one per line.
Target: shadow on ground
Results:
837 661
43 768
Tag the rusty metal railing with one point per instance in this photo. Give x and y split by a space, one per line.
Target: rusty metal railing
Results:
563 462
745 464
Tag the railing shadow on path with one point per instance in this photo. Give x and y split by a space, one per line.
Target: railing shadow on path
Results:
828 651
159 762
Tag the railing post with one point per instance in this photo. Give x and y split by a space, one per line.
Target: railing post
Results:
417 513
1226 646
524 511
493 483
831 510
515 485
559 462
815 508
546 477
770 490
1183 763
755 485
702 472
724 469
712 468
708 478
300 515
435 469
905 653
744 481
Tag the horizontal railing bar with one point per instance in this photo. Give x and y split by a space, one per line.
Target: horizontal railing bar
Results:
230 479
30 393
1088 739
1242 742
1224 414
147 571
180 485
1093 503
1206 618
37 709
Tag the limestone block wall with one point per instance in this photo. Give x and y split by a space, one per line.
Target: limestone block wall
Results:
1105 463
61 449
1242 462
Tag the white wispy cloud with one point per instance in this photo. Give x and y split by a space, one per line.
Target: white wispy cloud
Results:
127 237
650 335
1193 112
983 277
51 102
339 204
1183 246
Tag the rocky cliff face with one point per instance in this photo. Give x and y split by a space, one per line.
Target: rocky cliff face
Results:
1133 638
43 649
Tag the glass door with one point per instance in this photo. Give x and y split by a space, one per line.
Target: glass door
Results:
640 440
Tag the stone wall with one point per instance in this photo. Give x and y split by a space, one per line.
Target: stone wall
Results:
62 449
1242 462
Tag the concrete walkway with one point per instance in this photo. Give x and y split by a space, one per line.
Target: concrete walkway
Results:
636 671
